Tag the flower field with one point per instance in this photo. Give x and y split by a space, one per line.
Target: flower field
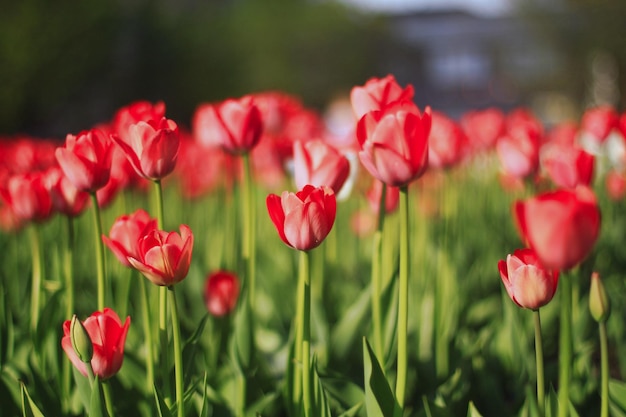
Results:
255 262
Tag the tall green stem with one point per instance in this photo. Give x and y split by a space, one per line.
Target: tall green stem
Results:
68 272
108 401
178 352
306 334
539 360
604 370
565 344
377 278
299 363
163 340
147 330
249 220
35 293
403 302
99 246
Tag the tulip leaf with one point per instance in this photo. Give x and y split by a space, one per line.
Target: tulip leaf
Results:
292 403
379 400
29 408
97 406
389 306
83 387
617 397
321 407
345 333
351 412
161 407
243 342
472 411
261 404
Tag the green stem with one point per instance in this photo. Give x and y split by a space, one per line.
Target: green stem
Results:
147 330
604 368
298 362
565 344
249 254
68 272
377 278
163 346
539 359
178 352
108 402
97 222
403 302
306 335
163 340
35 294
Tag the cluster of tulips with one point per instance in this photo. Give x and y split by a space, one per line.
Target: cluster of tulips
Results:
266 141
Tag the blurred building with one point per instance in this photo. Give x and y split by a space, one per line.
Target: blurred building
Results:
459 61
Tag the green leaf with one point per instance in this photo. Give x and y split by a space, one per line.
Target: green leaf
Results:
617 397
389 307
97 407
351 412
321 407
344 335
472 411
29 409
161 407
243 342
83 387
379 400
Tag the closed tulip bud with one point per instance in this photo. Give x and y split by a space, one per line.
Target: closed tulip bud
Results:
221 292
599 304
81 343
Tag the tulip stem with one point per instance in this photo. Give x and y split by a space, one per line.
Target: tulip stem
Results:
178 352
147 330
35 293
163 340
604 370
565 344
403 302
298 362
68 271
539 361
249 253
306 333
108 403
377 278
97 222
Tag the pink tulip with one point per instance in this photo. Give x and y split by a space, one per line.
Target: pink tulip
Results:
303 219
378 94
108 336
528 283
560 226
123 239
319 164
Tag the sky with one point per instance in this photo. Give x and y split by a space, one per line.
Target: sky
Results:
482 7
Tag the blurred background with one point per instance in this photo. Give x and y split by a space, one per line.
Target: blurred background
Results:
66 65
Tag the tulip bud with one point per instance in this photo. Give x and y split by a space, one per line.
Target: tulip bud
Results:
81 342
599 304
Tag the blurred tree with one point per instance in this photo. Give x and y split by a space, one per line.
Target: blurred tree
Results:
69 65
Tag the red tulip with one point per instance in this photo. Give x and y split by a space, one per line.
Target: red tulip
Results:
319 164
483 127
447 143
615 184
522 118
28 196
392 197
66 198
152 147
234 124
304 219
568 165
526 281
86 159
599 122
394 145
561 226
164 257
108 336
518 151
221 291
378 94
138 111
125 233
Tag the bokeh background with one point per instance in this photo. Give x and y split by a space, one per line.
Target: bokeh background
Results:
66 65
